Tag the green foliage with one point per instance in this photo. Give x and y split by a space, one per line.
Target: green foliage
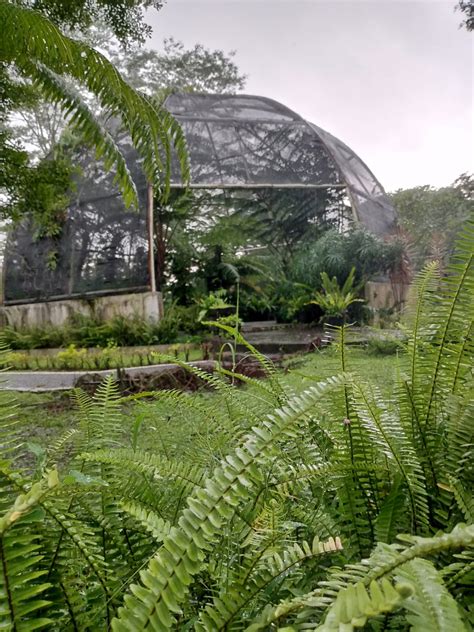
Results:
177 68
110 357
123 17
35 49
45 195
85 331
213 303
335 300
332 508
384 344
432 218
337 253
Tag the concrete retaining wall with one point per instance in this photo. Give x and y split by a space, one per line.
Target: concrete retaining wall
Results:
147 305
385 295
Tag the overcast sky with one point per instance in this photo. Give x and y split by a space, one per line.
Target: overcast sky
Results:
393 79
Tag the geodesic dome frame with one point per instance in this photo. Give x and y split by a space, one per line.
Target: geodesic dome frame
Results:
237 144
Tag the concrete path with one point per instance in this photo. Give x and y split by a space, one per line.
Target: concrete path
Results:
41 381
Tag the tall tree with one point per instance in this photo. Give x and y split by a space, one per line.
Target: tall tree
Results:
38 124
125 18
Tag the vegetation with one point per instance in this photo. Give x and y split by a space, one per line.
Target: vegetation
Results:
120 331
431 218
335 300
258 508
35 50
272 284
112 357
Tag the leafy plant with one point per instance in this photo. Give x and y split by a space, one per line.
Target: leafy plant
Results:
384 344
213 302
335 300
85 331
331 508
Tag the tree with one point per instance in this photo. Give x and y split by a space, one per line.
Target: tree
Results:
34 49
123 17
39 123
196 69
467 7
431 218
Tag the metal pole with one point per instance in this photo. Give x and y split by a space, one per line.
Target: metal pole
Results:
151 233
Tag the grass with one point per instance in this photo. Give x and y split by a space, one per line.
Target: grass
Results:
46 415
378 369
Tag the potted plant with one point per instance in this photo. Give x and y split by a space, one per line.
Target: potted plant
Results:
335 300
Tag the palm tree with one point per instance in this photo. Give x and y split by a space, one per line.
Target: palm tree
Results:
36 50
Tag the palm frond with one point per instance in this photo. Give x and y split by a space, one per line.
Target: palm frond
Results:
39 51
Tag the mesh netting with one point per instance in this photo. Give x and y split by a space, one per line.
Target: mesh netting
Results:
102 247
260 153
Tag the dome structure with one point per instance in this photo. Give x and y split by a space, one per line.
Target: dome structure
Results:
248 150
250 142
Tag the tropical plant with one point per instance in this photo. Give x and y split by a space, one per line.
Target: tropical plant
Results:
337 253
215 302
432 218
333 508
34 48
335 300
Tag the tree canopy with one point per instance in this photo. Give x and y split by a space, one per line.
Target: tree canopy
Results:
432 218
467 8
124 17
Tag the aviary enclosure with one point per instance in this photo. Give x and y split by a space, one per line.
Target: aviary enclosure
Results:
243 151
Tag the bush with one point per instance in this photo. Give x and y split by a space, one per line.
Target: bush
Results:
84 331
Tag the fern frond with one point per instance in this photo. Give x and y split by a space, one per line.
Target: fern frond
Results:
21 577
153 523
431 606
357 603
170 573
384 563
229 609
386 432
147 462
265 362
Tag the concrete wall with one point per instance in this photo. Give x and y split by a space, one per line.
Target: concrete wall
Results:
147 305
385 295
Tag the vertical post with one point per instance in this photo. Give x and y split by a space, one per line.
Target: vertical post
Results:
151 234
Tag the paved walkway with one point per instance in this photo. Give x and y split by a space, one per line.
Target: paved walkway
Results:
41 381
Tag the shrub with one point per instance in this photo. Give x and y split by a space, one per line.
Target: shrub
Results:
71 358
384 345
84 331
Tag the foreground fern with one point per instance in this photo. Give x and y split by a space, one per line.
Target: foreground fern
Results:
259 508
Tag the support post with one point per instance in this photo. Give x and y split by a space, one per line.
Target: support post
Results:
151 234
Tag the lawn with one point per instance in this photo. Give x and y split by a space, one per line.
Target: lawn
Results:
46 415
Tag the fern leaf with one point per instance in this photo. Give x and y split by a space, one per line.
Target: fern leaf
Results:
431 606
170 573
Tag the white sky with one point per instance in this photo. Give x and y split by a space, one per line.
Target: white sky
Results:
391 78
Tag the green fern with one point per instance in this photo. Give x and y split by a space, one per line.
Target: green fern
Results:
177 511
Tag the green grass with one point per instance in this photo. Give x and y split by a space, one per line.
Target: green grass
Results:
46 415
380 370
